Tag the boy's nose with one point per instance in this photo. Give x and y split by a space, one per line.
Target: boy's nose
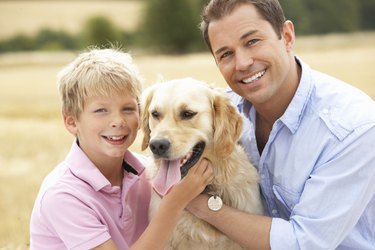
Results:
118 121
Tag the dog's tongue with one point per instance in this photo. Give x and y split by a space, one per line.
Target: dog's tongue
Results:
168 175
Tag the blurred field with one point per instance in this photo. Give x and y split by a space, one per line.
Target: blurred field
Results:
28 16
33 139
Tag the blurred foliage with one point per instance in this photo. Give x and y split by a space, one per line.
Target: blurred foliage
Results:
171 26
321 16
367 13
99 31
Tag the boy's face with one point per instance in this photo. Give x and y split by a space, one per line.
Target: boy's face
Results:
106 127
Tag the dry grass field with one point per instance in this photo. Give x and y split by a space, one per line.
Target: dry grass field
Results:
32 137
28 16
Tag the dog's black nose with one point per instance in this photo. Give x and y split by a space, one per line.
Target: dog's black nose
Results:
160 147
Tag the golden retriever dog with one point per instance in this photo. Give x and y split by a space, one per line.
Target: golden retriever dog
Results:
182 121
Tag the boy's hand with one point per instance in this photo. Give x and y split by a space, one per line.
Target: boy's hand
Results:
198 177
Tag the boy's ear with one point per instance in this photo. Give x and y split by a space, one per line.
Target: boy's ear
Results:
70 123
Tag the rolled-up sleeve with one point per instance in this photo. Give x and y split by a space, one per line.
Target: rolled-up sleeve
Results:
337 200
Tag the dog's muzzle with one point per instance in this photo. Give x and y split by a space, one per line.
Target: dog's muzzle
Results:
160 147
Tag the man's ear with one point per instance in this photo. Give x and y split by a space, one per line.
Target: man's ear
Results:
70 123
288 34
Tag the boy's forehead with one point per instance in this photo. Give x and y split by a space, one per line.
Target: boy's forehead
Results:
111 96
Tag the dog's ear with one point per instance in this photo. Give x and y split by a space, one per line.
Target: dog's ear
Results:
145 103
227 125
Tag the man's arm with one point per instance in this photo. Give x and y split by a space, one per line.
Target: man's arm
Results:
249 230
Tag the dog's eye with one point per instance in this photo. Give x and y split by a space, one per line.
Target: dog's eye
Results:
155 114
186 115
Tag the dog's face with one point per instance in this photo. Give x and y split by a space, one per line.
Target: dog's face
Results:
184 119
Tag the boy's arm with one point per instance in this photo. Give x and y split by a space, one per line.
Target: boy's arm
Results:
108 245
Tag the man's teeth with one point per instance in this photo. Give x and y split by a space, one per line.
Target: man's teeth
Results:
254 77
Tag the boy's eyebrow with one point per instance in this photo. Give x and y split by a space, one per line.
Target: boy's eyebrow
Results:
249 33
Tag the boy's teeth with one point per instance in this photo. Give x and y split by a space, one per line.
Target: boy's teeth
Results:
115 137
254 77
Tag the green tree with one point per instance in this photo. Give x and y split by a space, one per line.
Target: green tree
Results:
332 16
19 42
367 10
47 39
295 10
170 25
99 31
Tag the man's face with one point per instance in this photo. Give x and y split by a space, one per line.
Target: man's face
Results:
253 60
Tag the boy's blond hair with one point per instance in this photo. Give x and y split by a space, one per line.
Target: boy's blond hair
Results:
97 72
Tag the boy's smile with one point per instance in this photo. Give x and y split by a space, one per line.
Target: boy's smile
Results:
107 127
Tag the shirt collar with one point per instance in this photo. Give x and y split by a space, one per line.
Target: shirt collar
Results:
134 162
293 114
83 168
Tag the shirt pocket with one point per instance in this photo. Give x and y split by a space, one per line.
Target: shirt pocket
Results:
285 201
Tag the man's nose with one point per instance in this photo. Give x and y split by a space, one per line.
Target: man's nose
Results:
243 60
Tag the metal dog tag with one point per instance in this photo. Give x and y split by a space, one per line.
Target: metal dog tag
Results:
215 203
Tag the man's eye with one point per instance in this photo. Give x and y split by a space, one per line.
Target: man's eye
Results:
252 42
186 115
225 54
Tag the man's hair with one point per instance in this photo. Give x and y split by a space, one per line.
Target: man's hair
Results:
97 72
215 10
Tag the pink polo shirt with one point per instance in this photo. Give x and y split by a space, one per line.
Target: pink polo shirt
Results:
77 208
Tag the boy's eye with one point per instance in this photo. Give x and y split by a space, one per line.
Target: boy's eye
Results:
100 110
129 109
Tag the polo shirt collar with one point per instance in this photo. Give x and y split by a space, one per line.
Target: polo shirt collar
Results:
83 168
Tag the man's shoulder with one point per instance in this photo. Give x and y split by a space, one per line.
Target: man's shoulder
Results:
343 107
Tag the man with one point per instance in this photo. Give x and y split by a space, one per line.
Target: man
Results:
310 135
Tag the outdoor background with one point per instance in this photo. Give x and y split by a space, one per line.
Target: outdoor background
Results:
37 38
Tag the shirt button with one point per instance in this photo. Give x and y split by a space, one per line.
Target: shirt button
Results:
325 111
274 211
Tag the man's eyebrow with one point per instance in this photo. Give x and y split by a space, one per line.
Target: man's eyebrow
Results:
244 36
249 33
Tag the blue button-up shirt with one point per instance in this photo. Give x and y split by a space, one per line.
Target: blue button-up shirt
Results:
317 170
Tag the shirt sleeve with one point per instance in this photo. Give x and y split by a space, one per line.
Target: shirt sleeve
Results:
75 223
334 200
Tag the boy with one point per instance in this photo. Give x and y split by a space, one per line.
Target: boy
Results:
98 197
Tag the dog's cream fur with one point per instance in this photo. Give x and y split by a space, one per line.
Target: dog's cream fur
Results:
217 123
